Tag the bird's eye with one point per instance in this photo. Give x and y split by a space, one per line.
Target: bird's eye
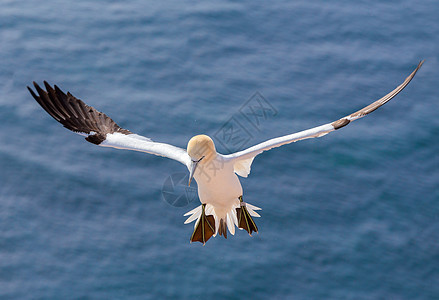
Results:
197 161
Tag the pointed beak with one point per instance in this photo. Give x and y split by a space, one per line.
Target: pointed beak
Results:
192 169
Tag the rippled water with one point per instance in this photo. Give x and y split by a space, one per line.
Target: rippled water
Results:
352 215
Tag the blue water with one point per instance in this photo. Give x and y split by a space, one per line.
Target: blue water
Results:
352 215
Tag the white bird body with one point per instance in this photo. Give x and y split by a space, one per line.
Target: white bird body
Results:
219 189
218 185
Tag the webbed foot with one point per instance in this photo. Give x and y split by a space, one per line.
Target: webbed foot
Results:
204 229
245 221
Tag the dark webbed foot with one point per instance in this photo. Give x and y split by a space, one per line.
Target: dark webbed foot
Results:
204 229
245 221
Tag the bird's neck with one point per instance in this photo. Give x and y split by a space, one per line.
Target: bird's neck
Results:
209 157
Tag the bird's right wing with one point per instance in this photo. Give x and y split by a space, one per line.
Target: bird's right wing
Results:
243 159
97 127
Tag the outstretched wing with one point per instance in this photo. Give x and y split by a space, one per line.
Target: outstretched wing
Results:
97 127
243 159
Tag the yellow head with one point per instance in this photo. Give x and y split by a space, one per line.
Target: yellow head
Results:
199 146
201 149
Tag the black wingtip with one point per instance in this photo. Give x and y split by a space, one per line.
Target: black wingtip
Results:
59 91
32 92
74 114
48 87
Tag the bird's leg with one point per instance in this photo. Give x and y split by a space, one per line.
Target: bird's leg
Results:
205 227
245 221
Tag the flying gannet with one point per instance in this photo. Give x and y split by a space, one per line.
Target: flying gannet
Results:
219 189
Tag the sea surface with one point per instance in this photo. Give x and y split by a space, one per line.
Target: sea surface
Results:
352 215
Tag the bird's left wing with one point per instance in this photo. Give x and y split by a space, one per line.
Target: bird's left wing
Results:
243 159
97 127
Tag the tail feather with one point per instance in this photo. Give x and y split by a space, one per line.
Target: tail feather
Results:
208 223
222 230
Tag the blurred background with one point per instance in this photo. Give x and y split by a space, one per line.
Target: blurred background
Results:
352 215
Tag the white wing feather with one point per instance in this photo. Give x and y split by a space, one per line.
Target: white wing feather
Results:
139 143
97 127
244 158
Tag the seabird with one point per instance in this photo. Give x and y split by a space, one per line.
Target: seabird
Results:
219 189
